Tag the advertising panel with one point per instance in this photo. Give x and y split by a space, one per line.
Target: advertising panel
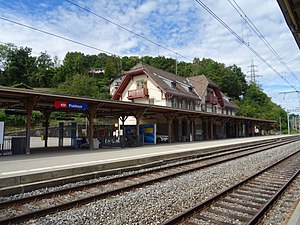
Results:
148 131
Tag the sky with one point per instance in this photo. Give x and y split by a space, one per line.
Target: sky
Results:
180 29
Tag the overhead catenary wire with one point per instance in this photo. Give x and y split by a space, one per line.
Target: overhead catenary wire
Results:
130 31
242 41
5 43
240 11
55 35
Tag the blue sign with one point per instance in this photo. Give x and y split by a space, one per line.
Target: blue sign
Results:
76 105
148 131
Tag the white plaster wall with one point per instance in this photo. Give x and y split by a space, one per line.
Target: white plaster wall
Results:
153 91
129 121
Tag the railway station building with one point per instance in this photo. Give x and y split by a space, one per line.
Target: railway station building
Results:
149 85
148 102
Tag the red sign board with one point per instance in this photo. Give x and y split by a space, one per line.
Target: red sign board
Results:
60 104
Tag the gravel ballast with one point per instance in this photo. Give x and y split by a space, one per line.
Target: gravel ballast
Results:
156 203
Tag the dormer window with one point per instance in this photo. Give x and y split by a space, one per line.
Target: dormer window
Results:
190 88
173 83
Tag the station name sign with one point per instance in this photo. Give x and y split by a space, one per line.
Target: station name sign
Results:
70 105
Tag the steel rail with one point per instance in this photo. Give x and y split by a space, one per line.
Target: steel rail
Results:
193 210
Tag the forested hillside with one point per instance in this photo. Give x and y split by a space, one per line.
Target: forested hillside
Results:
72 75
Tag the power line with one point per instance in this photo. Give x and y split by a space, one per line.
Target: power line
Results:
252 72
242 41
126 29
289 92
55 35
17 46
260 35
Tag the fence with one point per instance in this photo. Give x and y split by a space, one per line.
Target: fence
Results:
6 146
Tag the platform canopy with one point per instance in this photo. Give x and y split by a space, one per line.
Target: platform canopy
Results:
291 13
15 98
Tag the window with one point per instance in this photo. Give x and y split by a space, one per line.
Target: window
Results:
214 109
183 104
141 84
191 105
174 102
151 101
173 83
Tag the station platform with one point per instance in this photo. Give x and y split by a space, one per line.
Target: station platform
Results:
52 166
295 218
54 159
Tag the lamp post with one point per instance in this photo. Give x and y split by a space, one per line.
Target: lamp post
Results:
280 131
288 121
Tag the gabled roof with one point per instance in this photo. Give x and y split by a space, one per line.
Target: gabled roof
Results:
167 82
201 83
191 87
228 103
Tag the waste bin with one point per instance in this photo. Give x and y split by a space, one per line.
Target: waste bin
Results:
18 145
78 143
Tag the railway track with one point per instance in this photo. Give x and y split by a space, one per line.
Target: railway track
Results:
43 204
246 202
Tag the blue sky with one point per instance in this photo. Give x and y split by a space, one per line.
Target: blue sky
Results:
182 26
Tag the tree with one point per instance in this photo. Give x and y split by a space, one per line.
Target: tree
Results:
110 69
233 82
45 71
80 84
257 104
128 62
75 63
18 66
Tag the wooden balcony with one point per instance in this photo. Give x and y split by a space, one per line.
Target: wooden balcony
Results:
211 99
138 93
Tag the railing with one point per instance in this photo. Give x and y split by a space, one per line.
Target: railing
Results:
211 99
138 93
5 148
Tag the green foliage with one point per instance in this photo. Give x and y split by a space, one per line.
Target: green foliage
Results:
257 104
80 84
22 85
111 68
17 64
75 63
128 62
19 120
43 76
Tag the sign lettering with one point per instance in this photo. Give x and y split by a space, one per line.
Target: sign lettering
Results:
60 104
75 105
70 105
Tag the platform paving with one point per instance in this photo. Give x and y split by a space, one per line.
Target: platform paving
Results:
53 159
295 218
